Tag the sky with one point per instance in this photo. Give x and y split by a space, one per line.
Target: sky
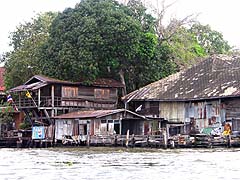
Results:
221 15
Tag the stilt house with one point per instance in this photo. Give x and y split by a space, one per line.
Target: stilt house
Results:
99 122
206 95
42 98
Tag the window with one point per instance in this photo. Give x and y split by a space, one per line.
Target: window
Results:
69 91
103 121
101 93
235 124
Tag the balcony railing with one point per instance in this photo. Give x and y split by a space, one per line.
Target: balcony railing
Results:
47 101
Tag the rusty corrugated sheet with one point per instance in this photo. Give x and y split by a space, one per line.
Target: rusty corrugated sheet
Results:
101 82
46 79
32 86
217 76
95 114
88 114
39 81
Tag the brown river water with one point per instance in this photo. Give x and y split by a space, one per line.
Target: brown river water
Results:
119 164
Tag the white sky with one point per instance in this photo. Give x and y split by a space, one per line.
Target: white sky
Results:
221 15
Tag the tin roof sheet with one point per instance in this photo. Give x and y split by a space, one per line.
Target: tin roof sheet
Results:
216 76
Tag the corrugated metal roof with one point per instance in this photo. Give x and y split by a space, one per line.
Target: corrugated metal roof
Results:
88 114
46 80
39 81
217 76
104 82
32 86
93 114
101 82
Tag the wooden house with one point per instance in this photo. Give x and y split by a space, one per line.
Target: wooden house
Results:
41 98
99 122
51 97
205 95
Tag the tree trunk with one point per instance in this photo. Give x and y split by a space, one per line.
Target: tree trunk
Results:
124 89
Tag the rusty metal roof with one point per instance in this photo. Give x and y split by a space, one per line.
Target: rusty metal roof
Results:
33 86
215 77
45 79
104 82
39 81
101 82
93 114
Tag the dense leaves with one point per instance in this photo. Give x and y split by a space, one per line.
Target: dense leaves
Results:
185 48
27 39
102 38
212 41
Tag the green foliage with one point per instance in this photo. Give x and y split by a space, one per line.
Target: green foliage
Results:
102 38
25 125
138 11
6 114
23 61
185 48
212 41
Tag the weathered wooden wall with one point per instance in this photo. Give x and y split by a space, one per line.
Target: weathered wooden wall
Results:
172 111
232 107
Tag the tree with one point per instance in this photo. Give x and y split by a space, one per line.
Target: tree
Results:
23 61
166 31
99 38
212 41
185 48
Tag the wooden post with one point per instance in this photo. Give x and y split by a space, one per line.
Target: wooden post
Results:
127 138
88 141
133 141
19 97
88 134
115 140
165 138
229 141
39 97
120 126
172 144
52 96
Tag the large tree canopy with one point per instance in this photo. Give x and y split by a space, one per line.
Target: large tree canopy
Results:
26 40
212 41
101 38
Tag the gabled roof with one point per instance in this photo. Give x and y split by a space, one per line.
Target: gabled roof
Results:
101 82
39 81
216 77
104 82
94 114
44 79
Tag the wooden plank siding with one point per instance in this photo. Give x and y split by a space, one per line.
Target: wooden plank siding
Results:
232 107
172 111
70 96
89 97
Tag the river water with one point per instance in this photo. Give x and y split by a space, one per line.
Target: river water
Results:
119 164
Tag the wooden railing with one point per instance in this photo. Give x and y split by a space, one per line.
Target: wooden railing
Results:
47 101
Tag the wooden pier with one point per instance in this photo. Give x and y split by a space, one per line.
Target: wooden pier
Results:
160 141
17 140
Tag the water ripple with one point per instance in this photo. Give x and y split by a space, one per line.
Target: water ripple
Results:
119 164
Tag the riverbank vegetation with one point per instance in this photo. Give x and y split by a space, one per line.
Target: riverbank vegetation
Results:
103 38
